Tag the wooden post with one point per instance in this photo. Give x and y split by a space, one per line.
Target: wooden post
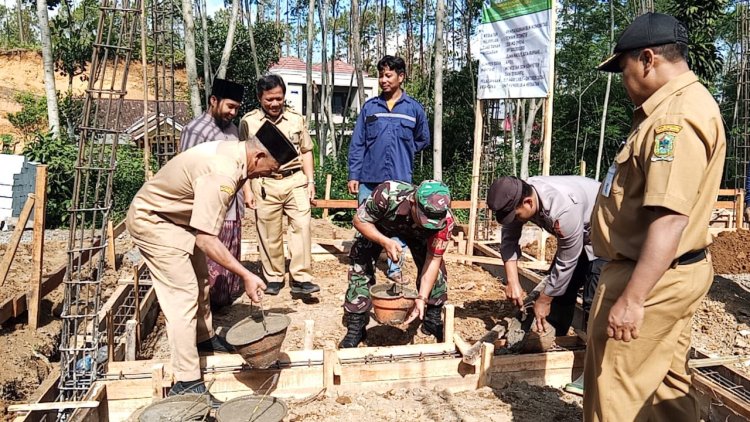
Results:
137 305
583 168
111 262
309 334
327 194
329 362
739 213
548 103
130 340
449 312
488 350
475 164
110 336
157 381
15 239
37 253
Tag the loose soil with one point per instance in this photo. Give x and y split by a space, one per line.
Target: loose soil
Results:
731 252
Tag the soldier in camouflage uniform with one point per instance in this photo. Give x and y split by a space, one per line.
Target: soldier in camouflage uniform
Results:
420 216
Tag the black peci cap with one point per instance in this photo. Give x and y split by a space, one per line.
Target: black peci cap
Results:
647 30
504 196
276 143
223 88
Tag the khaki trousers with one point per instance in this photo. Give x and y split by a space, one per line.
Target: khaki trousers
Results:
181 285
646 379
287 196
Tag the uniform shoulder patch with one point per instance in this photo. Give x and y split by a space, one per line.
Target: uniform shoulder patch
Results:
227 189
664 139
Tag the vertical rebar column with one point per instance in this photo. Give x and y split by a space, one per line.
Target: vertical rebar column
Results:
493 140
740 134
165 143
91 202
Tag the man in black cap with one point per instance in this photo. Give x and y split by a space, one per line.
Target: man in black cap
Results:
651 221
213 125
175 219
560 205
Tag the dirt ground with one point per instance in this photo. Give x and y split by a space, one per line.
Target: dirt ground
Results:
721 327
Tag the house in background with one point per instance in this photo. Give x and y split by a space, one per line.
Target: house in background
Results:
294 72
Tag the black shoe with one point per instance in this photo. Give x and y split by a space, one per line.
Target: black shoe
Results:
273 287
194 387
356 331
215 344
303 287
433 322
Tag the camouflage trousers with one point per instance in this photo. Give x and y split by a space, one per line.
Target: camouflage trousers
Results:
363 256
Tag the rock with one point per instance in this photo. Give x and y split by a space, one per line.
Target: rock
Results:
343 400
745 333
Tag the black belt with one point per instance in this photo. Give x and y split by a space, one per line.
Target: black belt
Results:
283 174
690 258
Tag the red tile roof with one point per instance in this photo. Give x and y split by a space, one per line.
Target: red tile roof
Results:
294 63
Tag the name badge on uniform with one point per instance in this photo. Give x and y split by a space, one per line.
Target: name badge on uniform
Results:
607 183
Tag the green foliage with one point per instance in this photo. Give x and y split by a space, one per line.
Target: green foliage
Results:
33 115
129 177
59 154
73 33
7 144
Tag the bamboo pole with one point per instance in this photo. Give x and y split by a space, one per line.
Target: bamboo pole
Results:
15 239
327 194
37 254
548 104
475 163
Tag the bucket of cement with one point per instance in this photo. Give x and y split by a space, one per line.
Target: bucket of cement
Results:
183 407
392 303
252 409
258 343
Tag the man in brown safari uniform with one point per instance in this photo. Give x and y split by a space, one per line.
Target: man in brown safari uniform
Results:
651 221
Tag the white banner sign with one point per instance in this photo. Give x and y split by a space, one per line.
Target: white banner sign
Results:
514 52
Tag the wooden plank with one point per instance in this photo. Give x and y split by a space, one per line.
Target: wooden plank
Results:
534 265
352 203
401 370
394 351
330 360
56 405
537 361
449 318
724 204
111 255
47 391
37 252
309 335
487 352
131 343
157 381
15 239
327 194
98 392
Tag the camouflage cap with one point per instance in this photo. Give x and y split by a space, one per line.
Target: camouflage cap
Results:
433 199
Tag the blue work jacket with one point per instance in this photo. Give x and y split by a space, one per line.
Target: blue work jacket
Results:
384 142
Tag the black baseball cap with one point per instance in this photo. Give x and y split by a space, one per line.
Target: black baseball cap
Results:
504 196
647 30
276 143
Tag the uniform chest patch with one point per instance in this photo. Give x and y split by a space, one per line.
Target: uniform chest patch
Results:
664 142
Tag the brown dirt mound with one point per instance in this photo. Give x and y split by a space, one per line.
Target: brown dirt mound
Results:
730 252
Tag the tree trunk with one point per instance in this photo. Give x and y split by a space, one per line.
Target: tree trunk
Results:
606 95
19 9
308 67
222 71
323 128
190 64
251 36
528 129
53 113
437 135
357 51
514 128
384 18
207 76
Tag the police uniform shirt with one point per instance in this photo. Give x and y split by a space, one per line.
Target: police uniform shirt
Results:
565 206
673 158
291 124
190 193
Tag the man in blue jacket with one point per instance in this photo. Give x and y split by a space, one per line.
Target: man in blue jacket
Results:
390 130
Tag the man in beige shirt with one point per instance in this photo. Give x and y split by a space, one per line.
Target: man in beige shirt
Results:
651 221
288 191
175 219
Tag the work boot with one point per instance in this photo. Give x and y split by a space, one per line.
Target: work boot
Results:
194 387
215 344
356 331
303 287
432 324
575 387
273 287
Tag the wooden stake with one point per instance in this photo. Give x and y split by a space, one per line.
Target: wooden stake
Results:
542 240
157 381
329 362
327 194
110 336
487 352
548 103
137 305
583 168
309 334
474 351
740 209
37 254
15 239
475 163
111 260
130 339
449 312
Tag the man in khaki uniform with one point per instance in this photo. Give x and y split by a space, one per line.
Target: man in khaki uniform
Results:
288 191
175 219
651 220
